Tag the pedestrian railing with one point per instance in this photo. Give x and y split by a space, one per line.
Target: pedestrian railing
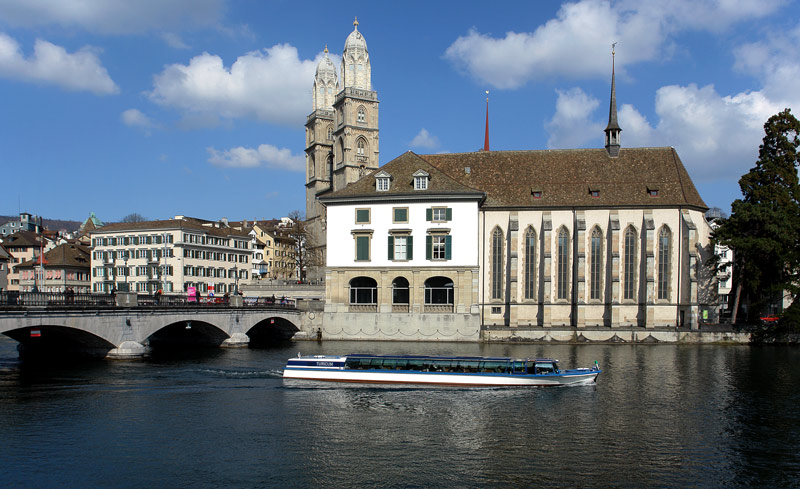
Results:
14 300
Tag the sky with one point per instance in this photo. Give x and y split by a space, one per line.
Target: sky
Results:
197 107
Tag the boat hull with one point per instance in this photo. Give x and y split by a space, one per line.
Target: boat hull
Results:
576 377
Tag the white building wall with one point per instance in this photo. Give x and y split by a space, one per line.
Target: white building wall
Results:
342 223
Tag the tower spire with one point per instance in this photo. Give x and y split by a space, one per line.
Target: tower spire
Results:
486 136
612 129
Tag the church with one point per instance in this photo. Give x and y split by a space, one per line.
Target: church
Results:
445 246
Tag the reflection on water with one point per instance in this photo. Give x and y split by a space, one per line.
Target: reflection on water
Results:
660 416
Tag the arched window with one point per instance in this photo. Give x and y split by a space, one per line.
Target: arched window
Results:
362 114
596 264
340 156
361 147
400 291
310 166
497 263
363 290
439 291
329 165
562 260
664 245
530 263
330 133
629 254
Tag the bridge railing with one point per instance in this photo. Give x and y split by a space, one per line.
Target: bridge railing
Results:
10 300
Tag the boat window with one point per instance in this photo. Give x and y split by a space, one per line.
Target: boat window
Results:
545 368
519 367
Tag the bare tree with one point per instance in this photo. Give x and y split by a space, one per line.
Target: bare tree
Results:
304 256
134 217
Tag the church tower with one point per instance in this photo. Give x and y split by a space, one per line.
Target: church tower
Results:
355 148
341 135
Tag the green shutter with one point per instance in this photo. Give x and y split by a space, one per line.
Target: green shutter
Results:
410 247
362 248
447 246
362 215
428 247
391 247
428 214
449 214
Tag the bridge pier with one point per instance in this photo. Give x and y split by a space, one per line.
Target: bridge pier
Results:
236 340
127 350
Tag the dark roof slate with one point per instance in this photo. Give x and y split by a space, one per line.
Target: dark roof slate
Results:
565 177
64 255
187 223
402 170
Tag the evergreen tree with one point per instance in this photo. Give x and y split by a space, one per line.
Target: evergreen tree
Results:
764 227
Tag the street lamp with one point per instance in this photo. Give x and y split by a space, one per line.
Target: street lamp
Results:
126 270
236 276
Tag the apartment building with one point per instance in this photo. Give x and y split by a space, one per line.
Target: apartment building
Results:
171 255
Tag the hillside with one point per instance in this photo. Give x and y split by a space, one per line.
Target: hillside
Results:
51 224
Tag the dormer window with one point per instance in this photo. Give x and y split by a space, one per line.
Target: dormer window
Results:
382 184
652 191
594 192
536 193
382 181
421 180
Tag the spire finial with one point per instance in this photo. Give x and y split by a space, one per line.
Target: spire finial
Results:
355 23
486 136
326 48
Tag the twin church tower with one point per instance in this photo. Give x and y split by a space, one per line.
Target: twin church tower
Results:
341 132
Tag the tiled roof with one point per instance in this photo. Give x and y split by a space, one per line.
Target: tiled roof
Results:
565 178
402 170
186 223
24 238
65 255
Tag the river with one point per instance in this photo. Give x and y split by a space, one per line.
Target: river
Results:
660 416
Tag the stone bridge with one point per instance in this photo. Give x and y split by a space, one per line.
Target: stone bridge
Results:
119 332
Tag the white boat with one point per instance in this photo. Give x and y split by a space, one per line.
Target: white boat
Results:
438 370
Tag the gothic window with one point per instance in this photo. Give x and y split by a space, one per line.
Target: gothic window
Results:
629 252
562 258
361 146
664 245
497 263
596 264
310 167
530 264
329 165
362 115
330 133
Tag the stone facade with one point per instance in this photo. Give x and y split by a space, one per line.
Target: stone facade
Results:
342 137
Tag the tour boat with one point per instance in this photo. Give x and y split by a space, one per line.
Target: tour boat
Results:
439 370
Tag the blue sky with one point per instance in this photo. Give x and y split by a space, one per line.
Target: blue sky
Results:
197 107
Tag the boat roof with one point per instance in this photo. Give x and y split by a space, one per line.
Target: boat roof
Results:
448 357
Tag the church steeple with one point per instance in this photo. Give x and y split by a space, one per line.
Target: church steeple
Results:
612 130
486 136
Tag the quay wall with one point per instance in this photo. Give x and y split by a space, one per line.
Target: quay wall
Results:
615 335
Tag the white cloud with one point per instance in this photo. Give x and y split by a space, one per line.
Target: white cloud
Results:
174 40
270 85
52 64
135 118
113 16
264 155
577 42
424 140
775 61
571 126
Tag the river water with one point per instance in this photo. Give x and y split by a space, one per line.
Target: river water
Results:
661 416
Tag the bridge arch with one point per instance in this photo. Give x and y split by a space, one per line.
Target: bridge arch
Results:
270 330
56 341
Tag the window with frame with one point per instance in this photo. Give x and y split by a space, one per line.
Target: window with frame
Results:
362 216
596 264
438 247
361 147
401 247
530 264
629 274
439 214
382 184
664 245
497 263
362 115
400 215
420 183
562 257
